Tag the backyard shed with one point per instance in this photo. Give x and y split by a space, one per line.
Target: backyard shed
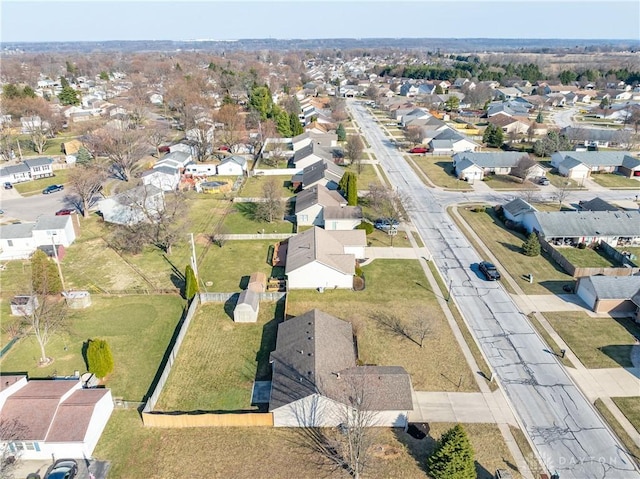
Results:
246 310
257 282
23 305
78 299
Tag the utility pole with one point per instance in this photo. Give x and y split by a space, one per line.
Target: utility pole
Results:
194 262
55 255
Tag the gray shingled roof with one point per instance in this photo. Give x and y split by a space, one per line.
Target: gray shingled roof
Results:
13 169
318 195
240 160
312 149
601 158
518 206
17 230
51 223
492 159
573 224
136 194
316 244
38 162
342 213
615 287
321 169
598 204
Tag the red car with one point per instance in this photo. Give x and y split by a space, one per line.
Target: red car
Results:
419 149
64 212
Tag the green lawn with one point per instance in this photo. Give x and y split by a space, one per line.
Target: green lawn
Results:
136 451
440 171
366 176
630 407
241 221
36 186
507 182
587 258
220 359
613 180
598 342
438 366
252 187
506 246
558 180
137 328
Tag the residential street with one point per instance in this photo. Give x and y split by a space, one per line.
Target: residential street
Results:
569 435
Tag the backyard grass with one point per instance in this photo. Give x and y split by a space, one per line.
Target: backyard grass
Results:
382 238
506 246
252 187
619 431
36 186
613 180
587 258
137 328
597 342
241 221
136 451
440 171
15 277
220 359
630 407
438 366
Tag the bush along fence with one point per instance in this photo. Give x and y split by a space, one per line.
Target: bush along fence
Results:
153 418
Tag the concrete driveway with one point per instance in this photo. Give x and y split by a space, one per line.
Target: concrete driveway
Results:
99 469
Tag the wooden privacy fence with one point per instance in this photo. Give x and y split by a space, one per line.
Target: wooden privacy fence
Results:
207 419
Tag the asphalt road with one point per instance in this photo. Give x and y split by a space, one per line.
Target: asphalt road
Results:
570 437
563 118
28 208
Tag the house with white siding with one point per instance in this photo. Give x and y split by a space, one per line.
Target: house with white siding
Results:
316 382
20 240
582 164
132 206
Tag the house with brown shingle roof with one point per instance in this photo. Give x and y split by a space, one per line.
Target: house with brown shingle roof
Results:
52 417
316 382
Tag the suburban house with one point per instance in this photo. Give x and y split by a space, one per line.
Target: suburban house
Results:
597 137
610 294
616 228
310 154
511 125
316 381
449 141
515 210
581 164
163 177
233 166
132 206
597 204
56 417
323 172
473 166
320 206
31 169
308 137
176 159
20 240
318 258
511 108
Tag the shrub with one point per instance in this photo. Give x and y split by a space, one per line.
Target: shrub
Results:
531 247
582 245
367 227
99 358
453 456
479 209
359 272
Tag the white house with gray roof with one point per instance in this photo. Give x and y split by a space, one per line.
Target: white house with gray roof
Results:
610 294
235 165
20 240
28 170
318 258
473 166
561 227
315 379
133 206
581 164
320 206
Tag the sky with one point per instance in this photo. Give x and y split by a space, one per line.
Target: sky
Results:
99 20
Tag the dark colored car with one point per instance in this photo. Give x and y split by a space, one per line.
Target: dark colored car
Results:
544 181
419 149
52 189
386 224
62 469
490 271
8 186
66 211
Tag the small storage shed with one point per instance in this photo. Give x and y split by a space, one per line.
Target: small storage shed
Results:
78 299
247 308
23 305
258 282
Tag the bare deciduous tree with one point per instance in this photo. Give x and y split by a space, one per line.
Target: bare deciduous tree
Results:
413 134
388 203
271 207
353 151
233 130
86 181
524 167
124 148
10 430
47 318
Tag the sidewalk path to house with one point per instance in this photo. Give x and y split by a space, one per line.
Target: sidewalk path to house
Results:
374 252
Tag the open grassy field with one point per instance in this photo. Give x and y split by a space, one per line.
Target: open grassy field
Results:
137 328
248 453
34 187
598 342
253 186
366 176
438 366
241 220
630 407
506 246
220 359
440 170
613 180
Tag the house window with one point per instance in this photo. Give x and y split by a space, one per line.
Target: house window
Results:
304 218
9 242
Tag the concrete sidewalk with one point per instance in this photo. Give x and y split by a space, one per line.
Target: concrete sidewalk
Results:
608 382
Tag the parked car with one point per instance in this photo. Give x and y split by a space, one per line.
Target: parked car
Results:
490 271
8 186
62 469
52 189
386 224
544 181
66 211
419 149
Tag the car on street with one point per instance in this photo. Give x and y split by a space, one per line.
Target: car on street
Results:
8 186
419 149
544 181
386 224
62 469
52 189
489 270
65 211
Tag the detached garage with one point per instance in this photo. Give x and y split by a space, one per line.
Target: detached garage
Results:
609 294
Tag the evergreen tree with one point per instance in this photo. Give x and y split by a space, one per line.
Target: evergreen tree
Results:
341 132
343 185
99 358
44 274
531 247
68 96
191 283
261 101
453 456
104 76
295 125
439 90
539 118
27 92
63 82
10 92
352 190
282 122
493 136
83 157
